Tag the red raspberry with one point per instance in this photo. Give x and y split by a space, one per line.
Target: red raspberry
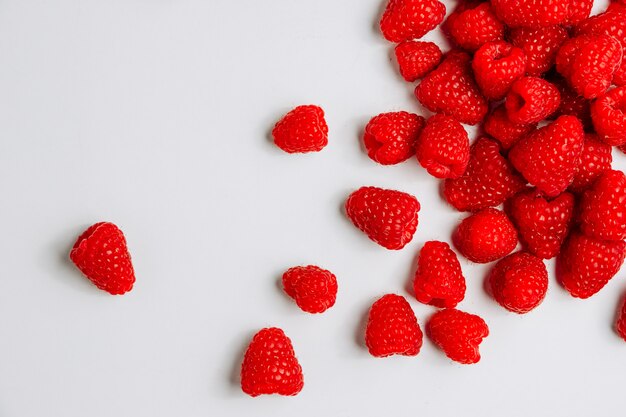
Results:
595 159
498 125
531 100
450 89
549 157
608 114
392 328
410 19
314 289
488 181
603 207
443 147
270 365
387 217
540 47
390 137
519 282
416 59
585 264
485 236
102 256
542 223
571 103
532 13
439 280
302 130
458 334
579 10
474 25
620 323
496 66
616 6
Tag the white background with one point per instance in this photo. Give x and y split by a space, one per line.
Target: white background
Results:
154 114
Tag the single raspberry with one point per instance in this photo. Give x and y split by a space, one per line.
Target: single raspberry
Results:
603 207
487 182
270 365
450 89
540 47
314 289
620 323
458 334
531 99
443 147
608 114
496 66
532 13
410 19
392 328
387 217
549 157
498 126
439 280
417 58
485 236
595 159
302 130
390 137
474 25
571 103
585 264
101 254
519 282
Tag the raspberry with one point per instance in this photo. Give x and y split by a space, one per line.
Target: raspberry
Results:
496 66
450 89
314 289
571 103
595 159
608 114
532 13
270 365
519 282
585 264
603 207
488 181
387 217
390 137
540 47
392 328
474 25
579 10
302 130
498 126
531 99
101 254
549 157
410 19
439 280
485 236
416 59
542 223
443 147
620 323
458 334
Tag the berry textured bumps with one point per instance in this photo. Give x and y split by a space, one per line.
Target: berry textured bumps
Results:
496 66
314 289
416 59
458 334
443 147
531 99
608 113
390 137
302 130
532 13
439 280
472 25
603 207
410 19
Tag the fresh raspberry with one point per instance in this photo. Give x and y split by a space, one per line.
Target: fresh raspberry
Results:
458 334
443 147
542 223
549 157
603 207
485 236
540 47
450 89
585 264
387 217
579 10
620 323
417 58
595 159
102 256
392 328
498 126
439 280
474 25
270 365
531 99
571 103
390 137
519 282
488 180
496 66
410 19
608 114
314 289
532 13
302 130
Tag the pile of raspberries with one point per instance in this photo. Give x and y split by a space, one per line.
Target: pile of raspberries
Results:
547 84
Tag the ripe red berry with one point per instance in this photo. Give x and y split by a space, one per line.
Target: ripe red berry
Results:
595 159
620 323
410 19
608 114
390 137
603 207
458 334
498 126
301 130
540 47
417 58
314 289
474 25
531 99
439 280
485 236
572 104
443 147
101 254
579 10
496 66
532 13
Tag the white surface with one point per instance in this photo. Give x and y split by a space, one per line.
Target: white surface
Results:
154 114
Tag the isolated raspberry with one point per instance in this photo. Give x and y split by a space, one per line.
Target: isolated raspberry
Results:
571 103
603 207
410 19
496 66
443 147
532 13
417 58
579 10
519 282
620 323
498 126
390 138
314 289
531 100
485 236
302 130
608 114
450 89
595 159
387 217
474 25
101 254
270 365
392 328
540 47
458 334
439 280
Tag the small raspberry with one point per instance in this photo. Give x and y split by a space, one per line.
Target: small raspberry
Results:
531 99
474 25
439 280
390 137
302 130
603 207
498 126
620 323
458 334
496 66
443 147
540 47
595 159
314 289
410 19
417 58
608 114
532 13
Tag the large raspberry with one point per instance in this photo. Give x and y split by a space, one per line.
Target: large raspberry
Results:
496 66
410 19
443 147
